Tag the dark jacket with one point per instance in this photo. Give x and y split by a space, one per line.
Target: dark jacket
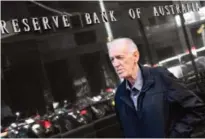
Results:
166 108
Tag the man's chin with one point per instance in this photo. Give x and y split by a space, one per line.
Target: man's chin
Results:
122 76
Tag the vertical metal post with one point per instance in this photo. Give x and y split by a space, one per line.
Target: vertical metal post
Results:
188 44
144 37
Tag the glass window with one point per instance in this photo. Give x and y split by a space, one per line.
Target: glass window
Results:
55 63
195 23
58 70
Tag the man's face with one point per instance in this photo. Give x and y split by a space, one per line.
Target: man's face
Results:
123 60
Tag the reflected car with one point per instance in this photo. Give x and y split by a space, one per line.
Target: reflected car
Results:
181 64
173 65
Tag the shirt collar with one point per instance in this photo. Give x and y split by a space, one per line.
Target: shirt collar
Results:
138 83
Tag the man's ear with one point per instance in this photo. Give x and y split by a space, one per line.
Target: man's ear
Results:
136 55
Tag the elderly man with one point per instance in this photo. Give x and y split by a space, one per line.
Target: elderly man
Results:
151 102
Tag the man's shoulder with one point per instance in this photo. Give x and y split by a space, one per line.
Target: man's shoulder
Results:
162 74
160 71
120 89
121 86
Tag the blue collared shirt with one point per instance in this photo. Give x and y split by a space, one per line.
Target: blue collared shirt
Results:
136 88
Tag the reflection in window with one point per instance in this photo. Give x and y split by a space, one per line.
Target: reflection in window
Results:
152 21
60 80
165 52
25 88
91 66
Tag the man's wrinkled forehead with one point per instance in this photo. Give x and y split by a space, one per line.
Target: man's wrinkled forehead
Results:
118 45
118 51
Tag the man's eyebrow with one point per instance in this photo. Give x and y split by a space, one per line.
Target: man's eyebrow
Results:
120 55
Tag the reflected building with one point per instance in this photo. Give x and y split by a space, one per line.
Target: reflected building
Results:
71 63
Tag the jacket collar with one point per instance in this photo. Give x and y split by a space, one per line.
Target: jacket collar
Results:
148 81
147 77
138 83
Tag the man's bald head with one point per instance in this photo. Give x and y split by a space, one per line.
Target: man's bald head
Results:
122 43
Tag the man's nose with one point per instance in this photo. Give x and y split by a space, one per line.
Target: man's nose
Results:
116 63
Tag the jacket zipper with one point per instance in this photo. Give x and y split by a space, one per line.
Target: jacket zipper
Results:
139 101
